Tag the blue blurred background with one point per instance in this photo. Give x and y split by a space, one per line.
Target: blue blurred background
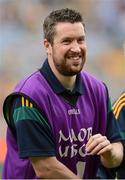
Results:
21 43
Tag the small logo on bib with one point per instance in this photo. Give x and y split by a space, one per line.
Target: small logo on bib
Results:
73 111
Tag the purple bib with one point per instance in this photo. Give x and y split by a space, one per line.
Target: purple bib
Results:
71 125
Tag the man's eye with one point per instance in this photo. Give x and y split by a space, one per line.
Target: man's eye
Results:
81 40
67 41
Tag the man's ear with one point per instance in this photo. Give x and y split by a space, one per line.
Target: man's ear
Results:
47 46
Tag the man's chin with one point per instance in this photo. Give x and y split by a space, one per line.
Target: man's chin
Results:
76 70
72 73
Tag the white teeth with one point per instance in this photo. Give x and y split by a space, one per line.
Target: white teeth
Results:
75 58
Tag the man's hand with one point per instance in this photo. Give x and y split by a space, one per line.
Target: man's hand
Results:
98 144
111 153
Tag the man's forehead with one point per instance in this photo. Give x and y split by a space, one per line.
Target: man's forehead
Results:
69 29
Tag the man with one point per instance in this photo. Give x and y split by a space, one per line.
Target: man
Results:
119 112
59 118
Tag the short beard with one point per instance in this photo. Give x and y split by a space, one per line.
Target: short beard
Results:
65 71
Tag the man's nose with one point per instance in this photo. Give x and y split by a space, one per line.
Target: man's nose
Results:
75 47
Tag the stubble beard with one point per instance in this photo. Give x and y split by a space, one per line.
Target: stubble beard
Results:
65 69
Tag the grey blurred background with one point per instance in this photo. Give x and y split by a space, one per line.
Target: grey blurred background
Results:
21 43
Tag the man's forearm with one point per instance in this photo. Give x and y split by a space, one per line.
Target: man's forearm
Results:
60 172
51 168
113 158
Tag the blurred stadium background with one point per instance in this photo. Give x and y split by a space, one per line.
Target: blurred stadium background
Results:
21 49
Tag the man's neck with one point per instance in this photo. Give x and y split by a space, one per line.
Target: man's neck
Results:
67 81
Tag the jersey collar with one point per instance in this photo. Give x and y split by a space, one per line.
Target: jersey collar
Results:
56 85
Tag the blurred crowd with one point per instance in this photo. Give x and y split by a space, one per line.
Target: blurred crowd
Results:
21 48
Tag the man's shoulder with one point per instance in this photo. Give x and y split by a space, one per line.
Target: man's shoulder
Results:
29 81
32 86
120 100
89 78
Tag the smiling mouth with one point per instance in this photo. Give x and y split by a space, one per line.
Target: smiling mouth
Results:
75 61
74 57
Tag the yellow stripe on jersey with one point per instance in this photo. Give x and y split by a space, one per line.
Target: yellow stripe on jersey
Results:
119 109
114 106
23 101
31 105
27 103
118 103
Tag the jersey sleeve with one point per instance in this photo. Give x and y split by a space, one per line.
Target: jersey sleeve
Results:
112 131
119 112
33 132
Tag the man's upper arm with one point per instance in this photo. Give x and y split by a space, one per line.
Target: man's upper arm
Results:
33 132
